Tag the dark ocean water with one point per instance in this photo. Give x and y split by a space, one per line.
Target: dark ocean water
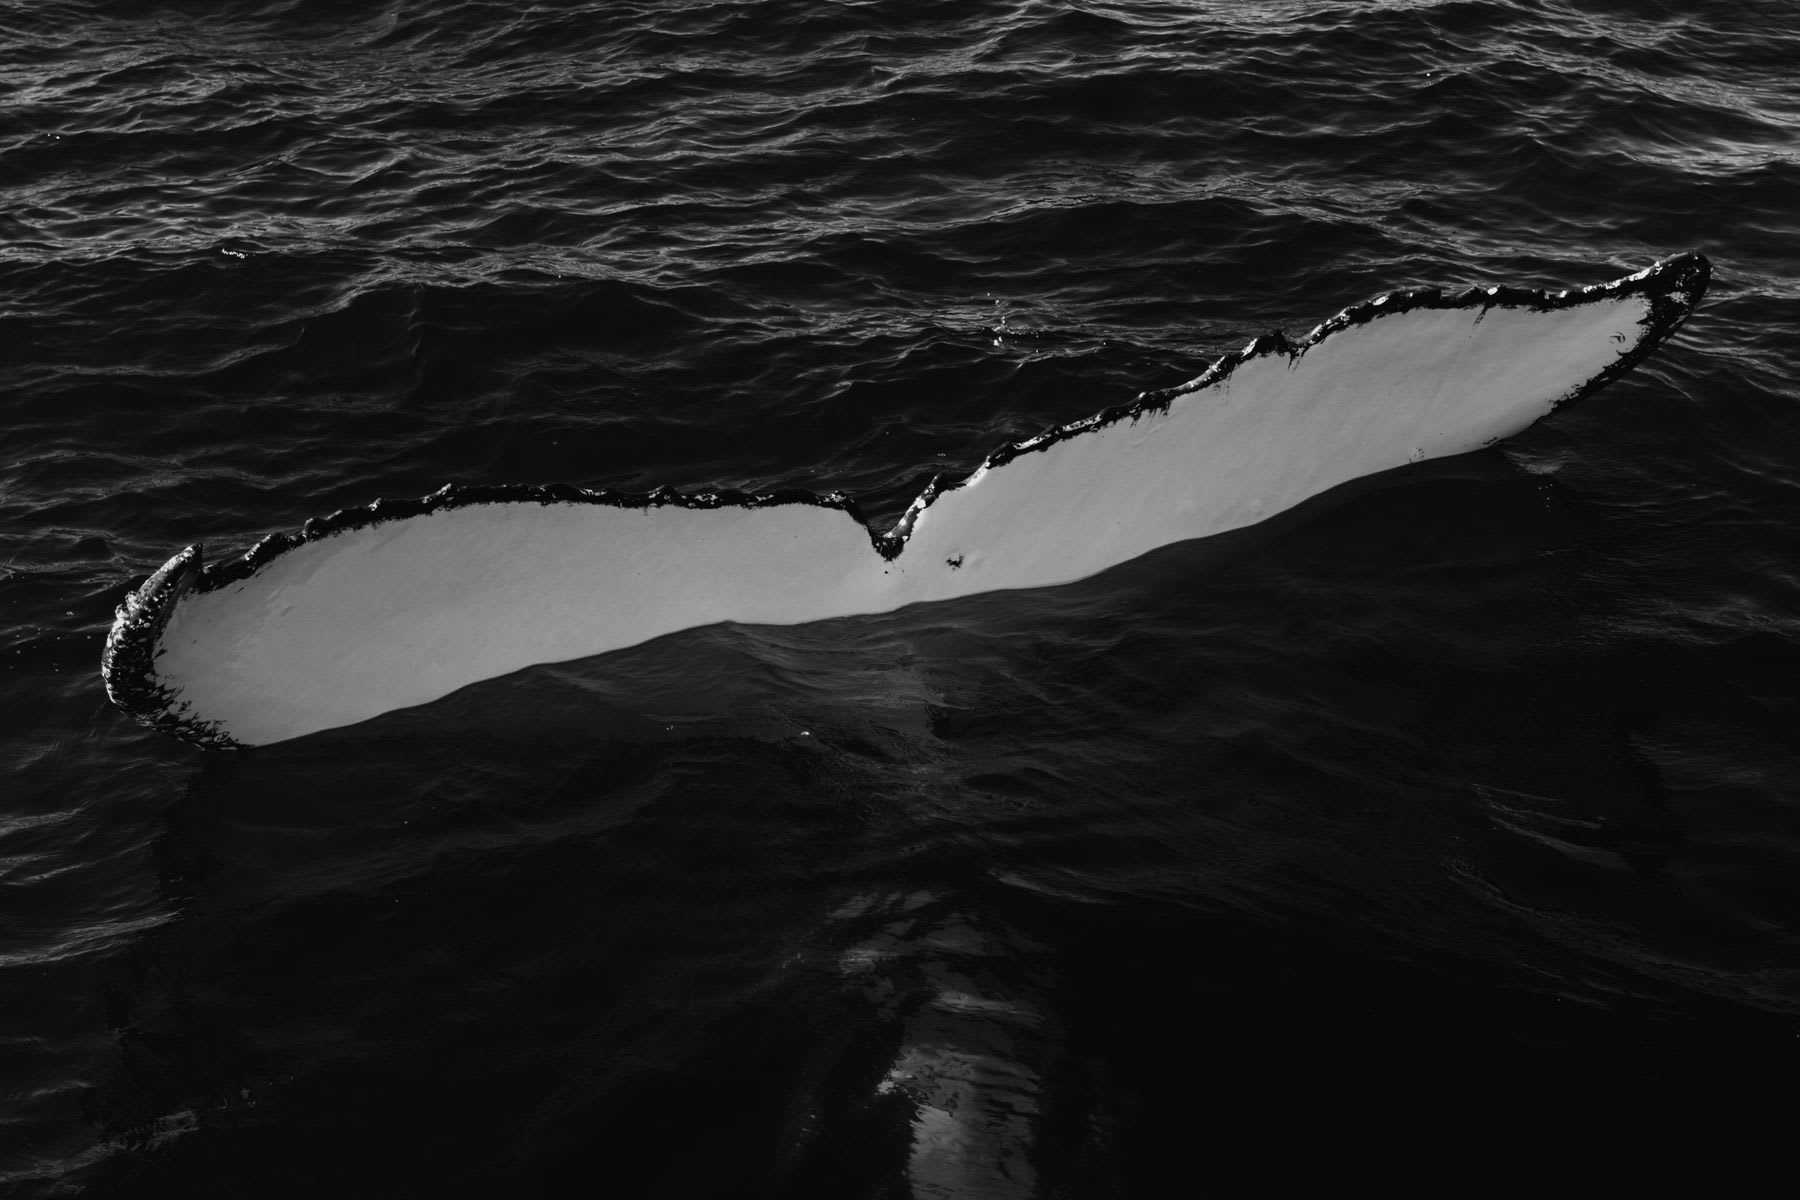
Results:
1445 827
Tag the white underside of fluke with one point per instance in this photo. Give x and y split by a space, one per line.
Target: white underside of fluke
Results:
403 611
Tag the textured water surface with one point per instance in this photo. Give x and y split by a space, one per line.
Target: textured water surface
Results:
1453 813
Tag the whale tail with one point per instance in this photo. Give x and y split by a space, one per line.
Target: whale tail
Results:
401 602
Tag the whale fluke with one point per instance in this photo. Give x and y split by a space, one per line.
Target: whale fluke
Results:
403 601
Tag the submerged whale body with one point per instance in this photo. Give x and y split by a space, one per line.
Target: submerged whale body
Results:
401 602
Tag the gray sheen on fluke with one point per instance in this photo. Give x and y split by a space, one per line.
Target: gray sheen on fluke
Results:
403 601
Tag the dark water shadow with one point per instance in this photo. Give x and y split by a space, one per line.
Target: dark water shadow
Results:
1318 832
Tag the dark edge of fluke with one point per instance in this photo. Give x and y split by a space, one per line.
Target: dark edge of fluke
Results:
1674 286
127 663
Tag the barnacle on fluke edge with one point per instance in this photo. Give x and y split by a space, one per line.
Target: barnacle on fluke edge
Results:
1430 374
